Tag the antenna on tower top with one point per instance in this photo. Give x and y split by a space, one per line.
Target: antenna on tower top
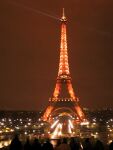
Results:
63 18
63 13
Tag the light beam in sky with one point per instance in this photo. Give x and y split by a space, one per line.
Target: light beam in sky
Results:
33 10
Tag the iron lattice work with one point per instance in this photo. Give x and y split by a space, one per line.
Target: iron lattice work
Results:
69 103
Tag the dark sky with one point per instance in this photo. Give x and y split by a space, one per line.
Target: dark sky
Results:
29 47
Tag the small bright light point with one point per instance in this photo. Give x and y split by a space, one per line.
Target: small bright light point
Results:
25 133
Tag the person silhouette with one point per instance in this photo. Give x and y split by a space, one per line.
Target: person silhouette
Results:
111 146
47 145
57 144
87 144
64 145
36 145
74 144
15 144
98 145
27 145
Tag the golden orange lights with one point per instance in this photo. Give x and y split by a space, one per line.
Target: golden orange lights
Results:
47 113
79 112
63 65
69 100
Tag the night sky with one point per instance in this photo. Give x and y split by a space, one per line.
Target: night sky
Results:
29 47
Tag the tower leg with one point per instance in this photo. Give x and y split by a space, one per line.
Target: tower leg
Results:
57 90
80 113
70 89
47 113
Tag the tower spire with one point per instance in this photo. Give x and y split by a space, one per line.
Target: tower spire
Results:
63 18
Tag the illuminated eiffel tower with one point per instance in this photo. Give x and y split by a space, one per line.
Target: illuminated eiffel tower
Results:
64 102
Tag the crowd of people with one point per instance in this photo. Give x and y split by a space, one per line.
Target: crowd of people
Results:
61 144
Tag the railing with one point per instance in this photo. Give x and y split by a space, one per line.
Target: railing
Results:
63 100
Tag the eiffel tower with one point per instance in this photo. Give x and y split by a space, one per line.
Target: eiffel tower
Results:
63 102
